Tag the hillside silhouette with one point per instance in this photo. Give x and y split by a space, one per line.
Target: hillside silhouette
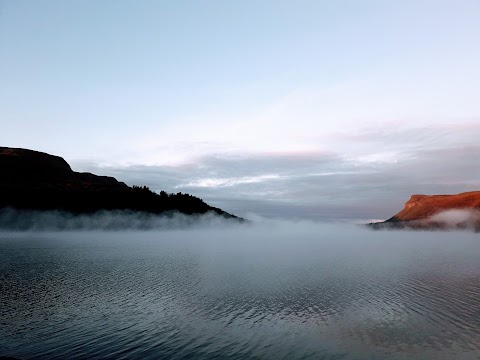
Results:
33 180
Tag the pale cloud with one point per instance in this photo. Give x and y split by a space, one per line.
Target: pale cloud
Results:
324 184
377 107
224 182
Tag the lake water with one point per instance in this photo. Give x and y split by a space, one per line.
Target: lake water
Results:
271 291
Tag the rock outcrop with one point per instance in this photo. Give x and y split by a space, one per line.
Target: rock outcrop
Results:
33 180
437 212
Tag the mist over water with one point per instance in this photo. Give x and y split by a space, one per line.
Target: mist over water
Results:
108 220
468 219
266 290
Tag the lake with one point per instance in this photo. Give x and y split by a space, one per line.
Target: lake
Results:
266 291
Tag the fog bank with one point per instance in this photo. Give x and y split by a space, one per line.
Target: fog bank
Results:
468 219
116 220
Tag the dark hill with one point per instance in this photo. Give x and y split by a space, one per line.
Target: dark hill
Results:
33 180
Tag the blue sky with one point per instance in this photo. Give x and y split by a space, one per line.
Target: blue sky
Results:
284 108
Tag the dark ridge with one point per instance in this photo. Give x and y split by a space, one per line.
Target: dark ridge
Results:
32 180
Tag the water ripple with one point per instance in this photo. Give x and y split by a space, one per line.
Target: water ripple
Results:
142 295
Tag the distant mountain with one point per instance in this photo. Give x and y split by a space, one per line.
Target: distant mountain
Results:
33 180
437 212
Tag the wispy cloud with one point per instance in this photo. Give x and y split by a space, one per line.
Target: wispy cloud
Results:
367 180
223 182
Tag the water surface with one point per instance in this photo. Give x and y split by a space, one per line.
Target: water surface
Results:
292 291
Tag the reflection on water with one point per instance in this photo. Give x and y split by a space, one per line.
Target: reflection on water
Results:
292 291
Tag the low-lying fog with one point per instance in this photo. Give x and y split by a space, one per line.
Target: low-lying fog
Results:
11 219
117 220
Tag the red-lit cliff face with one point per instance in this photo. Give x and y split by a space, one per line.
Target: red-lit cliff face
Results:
437 212
421 207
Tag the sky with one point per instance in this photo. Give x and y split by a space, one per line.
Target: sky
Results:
290 109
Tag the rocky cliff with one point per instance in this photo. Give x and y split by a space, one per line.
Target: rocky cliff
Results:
438 212
38 181
424 206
